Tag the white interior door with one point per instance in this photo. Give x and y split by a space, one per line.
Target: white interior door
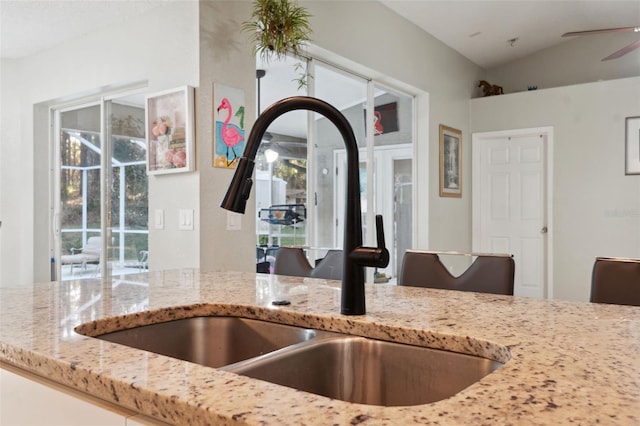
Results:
510 204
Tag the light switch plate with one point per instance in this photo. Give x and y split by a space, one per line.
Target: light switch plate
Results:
234 221
159 219
186 220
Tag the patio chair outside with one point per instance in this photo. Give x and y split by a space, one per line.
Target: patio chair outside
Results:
89 254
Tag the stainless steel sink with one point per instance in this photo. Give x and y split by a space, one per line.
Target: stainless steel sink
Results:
368 371
339 366
212 341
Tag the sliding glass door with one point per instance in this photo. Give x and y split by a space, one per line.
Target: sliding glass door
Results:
101 215
301 164
348 93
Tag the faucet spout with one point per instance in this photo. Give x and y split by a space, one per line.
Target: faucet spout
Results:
355 256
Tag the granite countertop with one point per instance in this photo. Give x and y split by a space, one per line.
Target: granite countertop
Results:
565 362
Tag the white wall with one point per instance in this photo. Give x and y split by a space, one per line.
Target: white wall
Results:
160 49
596 209
16 232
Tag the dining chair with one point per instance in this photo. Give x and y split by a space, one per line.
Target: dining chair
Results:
488 273
330 267
292 261
616 280
261 254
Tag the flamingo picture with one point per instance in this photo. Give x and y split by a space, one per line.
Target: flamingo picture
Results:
230 134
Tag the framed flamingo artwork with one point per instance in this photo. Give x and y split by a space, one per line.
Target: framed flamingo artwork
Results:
229 131
169 124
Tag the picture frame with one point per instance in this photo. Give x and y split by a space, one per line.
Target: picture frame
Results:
450 162
632 146
170 134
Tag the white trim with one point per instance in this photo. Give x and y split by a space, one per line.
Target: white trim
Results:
312 191
421 193
547 132
94 97
54 191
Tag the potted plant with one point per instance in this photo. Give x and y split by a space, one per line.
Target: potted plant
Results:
278 28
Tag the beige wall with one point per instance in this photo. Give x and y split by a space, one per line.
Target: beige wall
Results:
596 208
225 57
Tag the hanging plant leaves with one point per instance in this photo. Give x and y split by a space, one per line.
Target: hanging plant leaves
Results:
278 28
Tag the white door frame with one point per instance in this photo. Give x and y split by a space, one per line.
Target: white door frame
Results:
479 138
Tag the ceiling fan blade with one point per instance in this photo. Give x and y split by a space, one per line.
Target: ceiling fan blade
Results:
607 30
623 51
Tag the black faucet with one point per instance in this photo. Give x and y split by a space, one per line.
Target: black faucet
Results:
355 256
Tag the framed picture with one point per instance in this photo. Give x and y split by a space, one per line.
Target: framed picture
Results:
632 146
450 162
385 118
169 122
228 121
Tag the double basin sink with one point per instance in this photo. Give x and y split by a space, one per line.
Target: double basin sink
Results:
340 366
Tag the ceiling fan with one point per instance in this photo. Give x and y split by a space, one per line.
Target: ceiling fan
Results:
619 53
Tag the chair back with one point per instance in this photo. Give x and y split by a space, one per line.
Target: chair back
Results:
489 273
261 254
291 261
330 267
93 246
616 281
424 270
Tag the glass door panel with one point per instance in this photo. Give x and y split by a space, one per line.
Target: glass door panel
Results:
393 180
402 211
129 203
348 94
79 196
281 165
391 176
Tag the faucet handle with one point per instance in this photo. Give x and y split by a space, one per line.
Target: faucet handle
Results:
376 257
380 232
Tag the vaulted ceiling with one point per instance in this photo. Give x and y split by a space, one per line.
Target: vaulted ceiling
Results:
478 29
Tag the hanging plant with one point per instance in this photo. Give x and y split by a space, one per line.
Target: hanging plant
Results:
278 28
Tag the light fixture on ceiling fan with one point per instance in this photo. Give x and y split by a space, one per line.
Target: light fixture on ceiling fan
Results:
619 53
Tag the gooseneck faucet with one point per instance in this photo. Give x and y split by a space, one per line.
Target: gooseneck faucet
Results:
355 256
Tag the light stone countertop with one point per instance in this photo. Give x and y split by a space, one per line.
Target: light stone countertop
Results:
566 362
